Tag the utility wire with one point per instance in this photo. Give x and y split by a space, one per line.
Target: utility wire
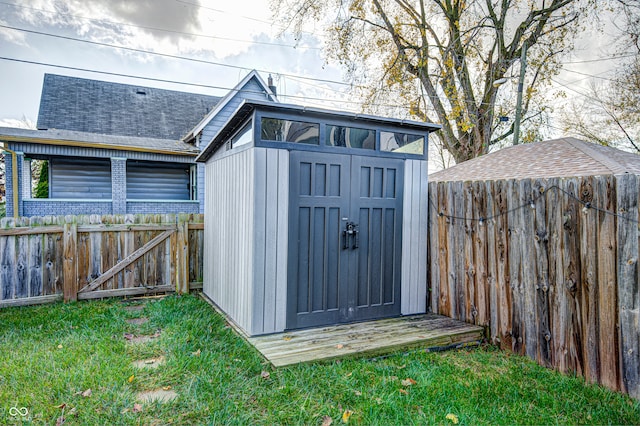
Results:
166 55
531 204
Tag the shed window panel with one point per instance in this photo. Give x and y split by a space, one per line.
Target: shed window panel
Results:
279 130
350 137
243 137
158 181
402 142
80 178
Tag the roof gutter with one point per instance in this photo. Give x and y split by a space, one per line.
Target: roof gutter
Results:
45 141
14 177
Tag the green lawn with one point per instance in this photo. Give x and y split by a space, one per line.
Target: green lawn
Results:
50 355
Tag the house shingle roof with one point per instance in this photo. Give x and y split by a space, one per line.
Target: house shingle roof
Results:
565 157
92 106
71 138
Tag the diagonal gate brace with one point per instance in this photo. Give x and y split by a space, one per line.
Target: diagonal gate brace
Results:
127 261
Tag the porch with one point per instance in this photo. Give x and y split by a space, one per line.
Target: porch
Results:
366 339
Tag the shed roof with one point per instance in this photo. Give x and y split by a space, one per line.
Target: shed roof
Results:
107 108
118 142
565 157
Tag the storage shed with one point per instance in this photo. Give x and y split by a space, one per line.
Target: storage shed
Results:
315 217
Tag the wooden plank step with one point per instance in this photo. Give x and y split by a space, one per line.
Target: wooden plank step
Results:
372 338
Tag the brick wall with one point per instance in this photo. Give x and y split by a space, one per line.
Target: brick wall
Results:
119 184
162 207
44 207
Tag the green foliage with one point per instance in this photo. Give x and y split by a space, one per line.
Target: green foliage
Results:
53 353
42 187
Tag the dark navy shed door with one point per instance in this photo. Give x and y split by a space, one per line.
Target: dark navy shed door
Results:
336 277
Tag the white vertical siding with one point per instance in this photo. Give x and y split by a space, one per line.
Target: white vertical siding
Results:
414 238
229 230
271 235
246 233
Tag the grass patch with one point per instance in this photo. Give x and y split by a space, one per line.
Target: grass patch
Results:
50 354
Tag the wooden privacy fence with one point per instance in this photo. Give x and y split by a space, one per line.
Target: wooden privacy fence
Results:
44 259
550 266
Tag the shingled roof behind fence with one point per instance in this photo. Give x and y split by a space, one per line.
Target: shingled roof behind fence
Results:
83 105
566 157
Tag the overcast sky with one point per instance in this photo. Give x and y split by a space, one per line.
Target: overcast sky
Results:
237 33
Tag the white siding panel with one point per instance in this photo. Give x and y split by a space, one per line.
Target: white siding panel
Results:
228 274
414 238
271 234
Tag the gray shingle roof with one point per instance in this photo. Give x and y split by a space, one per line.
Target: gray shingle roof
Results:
106 108
70 137
566 157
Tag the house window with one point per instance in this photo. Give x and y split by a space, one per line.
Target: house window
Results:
275 129
74 178
350 137
148 180
402 142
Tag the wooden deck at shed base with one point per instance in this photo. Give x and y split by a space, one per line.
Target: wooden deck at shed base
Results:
372 338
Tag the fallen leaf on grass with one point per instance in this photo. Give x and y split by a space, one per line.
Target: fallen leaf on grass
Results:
60 421
265 374
327 421
339 346
408 382
59 346
136 408
86 393
166 388
128 336
287 338
357 393
196 353
130 379
400 367
72 412
402 391
61 405
453 418
346 415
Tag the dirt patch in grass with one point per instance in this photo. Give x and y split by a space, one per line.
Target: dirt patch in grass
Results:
159 395
138 321
150 363
144 338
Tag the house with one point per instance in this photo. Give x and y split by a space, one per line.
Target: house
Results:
315 217
114 148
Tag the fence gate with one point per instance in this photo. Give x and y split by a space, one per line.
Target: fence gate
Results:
344 238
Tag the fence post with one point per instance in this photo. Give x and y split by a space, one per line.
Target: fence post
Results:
627 268
70 265
182 254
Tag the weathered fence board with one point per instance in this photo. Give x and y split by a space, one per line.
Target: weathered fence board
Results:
81 257
549 266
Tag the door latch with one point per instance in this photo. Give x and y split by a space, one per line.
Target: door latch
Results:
349 233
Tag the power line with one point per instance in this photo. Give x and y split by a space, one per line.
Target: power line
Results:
166 55
158 29
208 86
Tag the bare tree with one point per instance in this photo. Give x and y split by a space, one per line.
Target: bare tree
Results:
610 113
440 58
